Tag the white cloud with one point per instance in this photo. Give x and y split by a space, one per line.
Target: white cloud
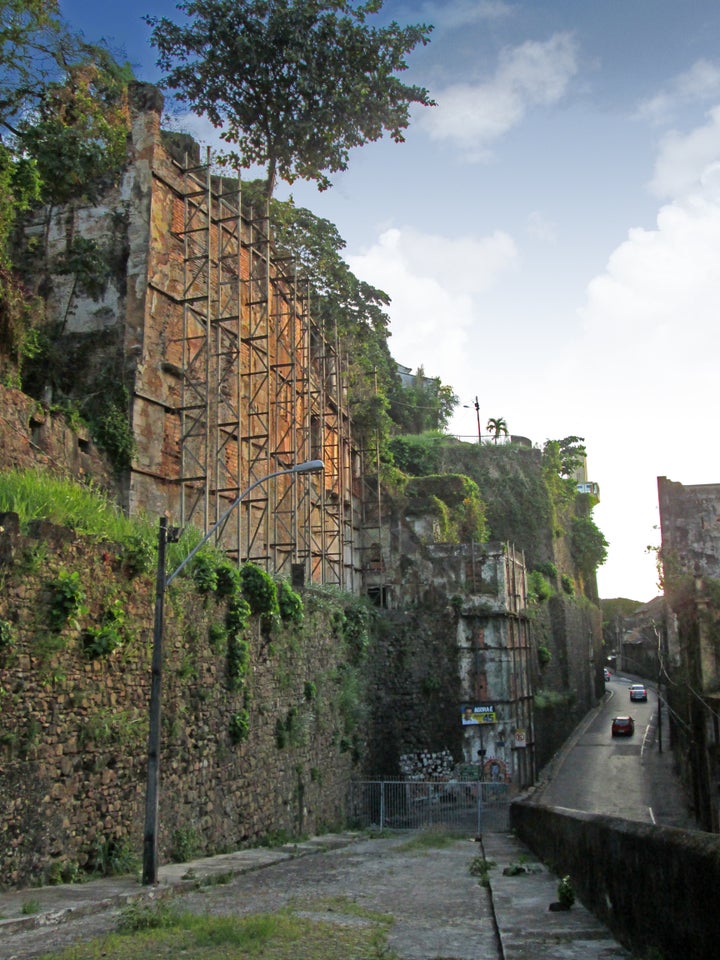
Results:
539 227
433 282
684 158
475 115
460 13
698 84
647 353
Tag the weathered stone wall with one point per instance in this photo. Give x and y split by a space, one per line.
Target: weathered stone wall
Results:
572 682
414 687
655 887
73 729
458 636
33 436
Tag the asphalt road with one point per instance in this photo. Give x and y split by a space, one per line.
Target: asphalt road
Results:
618 776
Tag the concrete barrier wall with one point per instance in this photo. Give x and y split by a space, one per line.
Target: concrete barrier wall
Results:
655 887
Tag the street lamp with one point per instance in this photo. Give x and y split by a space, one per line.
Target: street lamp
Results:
163 581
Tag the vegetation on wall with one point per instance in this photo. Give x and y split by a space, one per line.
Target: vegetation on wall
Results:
63 135
454 500
225 685
422 404
529 498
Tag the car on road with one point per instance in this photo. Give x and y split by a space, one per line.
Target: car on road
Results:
638 692
606 674
623 726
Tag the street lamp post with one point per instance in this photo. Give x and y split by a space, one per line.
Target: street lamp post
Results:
163 581
477 414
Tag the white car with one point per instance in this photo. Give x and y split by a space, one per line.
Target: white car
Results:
638 692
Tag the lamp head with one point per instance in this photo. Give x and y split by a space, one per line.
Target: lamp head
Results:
309 466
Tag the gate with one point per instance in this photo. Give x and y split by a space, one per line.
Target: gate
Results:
462 806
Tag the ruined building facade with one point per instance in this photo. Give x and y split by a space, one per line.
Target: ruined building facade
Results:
206 332
690 553
226 376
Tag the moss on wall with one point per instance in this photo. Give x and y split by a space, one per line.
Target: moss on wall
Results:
73 733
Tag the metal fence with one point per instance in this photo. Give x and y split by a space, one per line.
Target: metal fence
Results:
463 806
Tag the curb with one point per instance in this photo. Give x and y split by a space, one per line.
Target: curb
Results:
175 879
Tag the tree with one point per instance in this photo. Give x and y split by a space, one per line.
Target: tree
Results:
294 84
497 427
572 454
425 404
30 37
587 545
77 135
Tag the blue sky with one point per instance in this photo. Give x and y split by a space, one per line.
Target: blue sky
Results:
549 233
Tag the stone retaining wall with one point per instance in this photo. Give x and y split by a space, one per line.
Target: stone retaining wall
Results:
73 729
655 887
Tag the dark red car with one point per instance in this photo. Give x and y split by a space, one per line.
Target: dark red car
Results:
623 726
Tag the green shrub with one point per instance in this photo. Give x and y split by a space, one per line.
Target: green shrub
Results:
568 585
239 726
204 571
6 635
114 857
184 845
138 554
228 579
544 655
538 587
259 590
356 630
238 661
217 636
289 603
292 730
238 615
113 434
566 895
63 871
67 600
110 635
587 544
141 915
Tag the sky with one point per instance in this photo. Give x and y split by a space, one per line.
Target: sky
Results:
549 233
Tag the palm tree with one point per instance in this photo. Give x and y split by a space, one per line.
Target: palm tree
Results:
497 427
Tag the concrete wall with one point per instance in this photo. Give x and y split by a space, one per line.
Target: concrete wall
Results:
655 887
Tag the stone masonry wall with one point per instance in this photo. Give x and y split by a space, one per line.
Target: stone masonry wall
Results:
73 729
34 437
655 887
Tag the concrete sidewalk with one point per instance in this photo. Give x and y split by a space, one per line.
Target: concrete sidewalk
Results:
444 908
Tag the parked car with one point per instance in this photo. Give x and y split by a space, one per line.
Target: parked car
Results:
606 674
623 726
638 692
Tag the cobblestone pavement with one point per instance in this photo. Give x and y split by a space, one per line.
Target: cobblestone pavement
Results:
440 911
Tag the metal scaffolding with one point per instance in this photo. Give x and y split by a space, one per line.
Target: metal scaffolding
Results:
261 389
210 467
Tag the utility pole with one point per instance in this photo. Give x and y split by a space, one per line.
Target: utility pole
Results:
477 414
163 581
